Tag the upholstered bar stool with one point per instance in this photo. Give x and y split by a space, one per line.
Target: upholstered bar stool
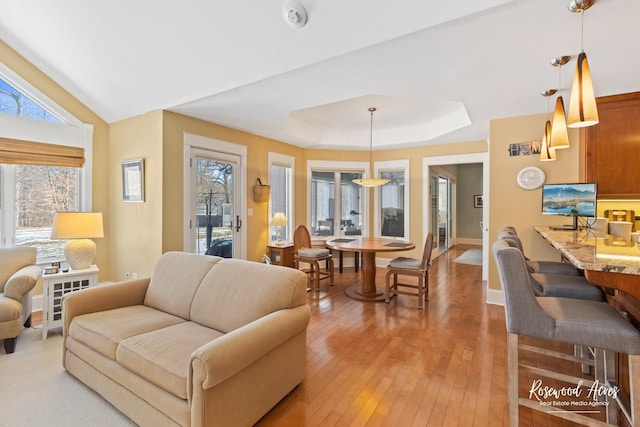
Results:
566 320
544 267
559 285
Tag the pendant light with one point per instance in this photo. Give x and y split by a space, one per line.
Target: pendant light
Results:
371 182
582 107
546 152
559 137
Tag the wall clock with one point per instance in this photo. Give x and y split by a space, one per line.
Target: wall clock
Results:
530 178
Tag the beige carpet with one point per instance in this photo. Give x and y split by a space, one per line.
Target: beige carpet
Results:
35 390
470 256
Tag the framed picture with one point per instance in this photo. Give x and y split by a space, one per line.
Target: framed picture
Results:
477 201
133 180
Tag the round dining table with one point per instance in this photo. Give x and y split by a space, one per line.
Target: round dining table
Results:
368 246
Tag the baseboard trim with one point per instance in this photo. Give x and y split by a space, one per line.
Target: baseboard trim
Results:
495 297
468 241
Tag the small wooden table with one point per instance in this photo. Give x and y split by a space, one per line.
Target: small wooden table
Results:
281 254
368 246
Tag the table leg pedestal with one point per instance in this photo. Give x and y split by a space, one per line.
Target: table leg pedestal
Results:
368 292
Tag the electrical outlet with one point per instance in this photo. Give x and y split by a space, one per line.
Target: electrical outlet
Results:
134 276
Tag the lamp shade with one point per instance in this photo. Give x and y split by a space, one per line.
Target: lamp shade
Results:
79 226
547 153
582 106
279 219
559 137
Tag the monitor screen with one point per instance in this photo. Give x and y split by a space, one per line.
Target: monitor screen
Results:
570 199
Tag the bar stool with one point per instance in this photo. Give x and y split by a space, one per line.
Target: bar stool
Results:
544 267
571 321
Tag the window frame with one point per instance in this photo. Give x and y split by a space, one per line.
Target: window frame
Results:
340 167
281 160
71 132
391 166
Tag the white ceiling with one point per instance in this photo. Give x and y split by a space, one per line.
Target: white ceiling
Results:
437 71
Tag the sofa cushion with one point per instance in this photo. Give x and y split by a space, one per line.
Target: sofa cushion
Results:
237 292
103 330
162 356
174 281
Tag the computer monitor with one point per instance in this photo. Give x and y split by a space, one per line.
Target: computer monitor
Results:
575 200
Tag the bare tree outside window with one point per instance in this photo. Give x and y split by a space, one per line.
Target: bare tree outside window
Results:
41 191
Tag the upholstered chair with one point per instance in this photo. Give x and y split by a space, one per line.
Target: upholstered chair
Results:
543 267
566 320
18 276
559 285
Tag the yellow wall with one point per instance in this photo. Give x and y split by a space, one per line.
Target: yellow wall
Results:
513 205
136 232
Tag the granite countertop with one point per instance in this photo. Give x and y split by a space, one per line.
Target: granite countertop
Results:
591 250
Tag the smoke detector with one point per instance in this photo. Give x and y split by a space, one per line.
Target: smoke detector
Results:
295 14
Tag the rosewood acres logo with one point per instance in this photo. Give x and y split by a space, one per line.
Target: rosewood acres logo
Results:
573 399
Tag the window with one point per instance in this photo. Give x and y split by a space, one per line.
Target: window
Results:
38 179
391 200
281 182
40 191
14 102
328 185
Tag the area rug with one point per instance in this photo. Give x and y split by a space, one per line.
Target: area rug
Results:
35 390
470 256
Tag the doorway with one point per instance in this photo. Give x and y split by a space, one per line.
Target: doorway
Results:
430 199
214 200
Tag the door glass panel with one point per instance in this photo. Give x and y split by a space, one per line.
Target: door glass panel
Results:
215 214
392 203
329 218
351 204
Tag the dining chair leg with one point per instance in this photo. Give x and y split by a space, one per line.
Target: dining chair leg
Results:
512 361
421 296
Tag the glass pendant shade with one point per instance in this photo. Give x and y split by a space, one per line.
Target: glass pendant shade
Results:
371 182
582 106
546 152
559 134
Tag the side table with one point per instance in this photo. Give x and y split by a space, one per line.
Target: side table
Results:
281 254
56 286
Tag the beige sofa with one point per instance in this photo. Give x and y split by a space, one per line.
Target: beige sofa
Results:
205 341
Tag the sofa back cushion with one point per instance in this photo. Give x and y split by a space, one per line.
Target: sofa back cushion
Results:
174 281
236 292
13 259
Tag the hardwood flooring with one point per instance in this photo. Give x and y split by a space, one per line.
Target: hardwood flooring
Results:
373 364
394 365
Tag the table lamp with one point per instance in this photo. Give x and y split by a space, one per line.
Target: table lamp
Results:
80 227
279 220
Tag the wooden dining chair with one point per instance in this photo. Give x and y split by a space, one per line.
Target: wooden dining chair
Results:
303 252
410 267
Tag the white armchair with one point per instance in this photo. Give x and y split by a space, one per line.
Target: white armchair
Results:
18 276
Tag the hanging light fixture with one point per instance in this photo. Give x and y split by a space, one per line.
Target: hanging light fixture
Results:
559 137
546 152
371 182
582 107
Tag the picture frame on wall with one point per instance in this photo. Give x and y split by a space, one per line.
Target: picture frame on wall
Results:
477 201
133 180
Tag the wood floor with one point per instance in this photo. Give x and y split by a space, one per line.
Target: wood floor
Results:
373 364
394 365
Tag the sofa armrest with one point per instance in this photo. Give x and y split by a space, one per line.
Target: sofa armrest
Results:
223 357
21 282
101 298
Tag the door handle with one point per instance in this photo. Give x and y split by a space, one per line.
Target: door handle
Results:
238 223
